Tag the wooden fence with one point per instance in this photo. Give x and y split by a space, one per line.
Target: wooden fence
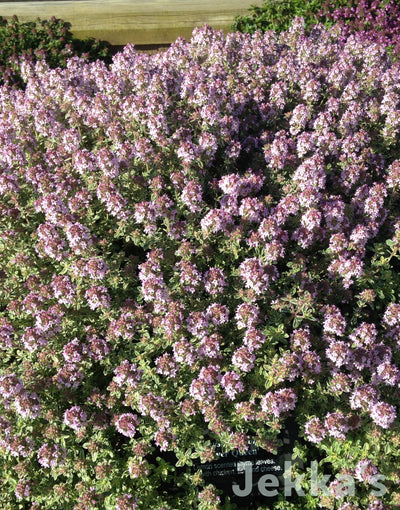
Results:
141 22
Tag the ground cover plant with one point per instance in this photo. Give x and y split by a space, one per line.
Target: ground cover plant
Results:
196 246
49 39
377 20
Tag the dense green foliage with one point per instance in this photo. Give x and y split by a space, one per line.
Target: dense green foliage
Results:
50 39
277 15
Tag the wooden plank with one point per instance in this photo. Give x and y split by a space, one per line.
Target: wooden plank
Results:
140 22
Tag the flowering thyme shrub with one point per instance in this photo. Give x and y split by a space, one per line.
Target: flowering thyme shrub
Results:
377 21
50 39
197 245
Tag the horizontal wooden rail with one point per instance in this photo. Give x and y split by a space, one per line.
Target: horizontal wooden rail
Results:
141 22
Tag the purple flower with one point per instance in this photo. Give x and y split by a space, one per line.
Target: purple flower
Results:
383 414
8 184
243 359
245 410
84 161
69 376
314 430
209 497
336 425
334 322
79 237
10 385
190 277
98 348
340 383
50 242
311 219
163 438
23 489
334 214
338 352
373 205
27 405
98 297
247 315
192 196
126 502
360 236
299 118
156 407
278 94
145 213
269 228
279 402
311 90
252 209
54 208
393 176
218 313
347 268
198 324
391 316
230 184
73 351
202 390
366 471
64 290
287 367
17 446
364 336
127 373
380 353
364 396
386 373
215 281
281 152
232 384
216 220
311 364
253 339
242 186
137 467
75 417
107 162
96 268
126 424
165 365
210 346
300 340
184 352
6 334
51 455
48 322
310 174
254 276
